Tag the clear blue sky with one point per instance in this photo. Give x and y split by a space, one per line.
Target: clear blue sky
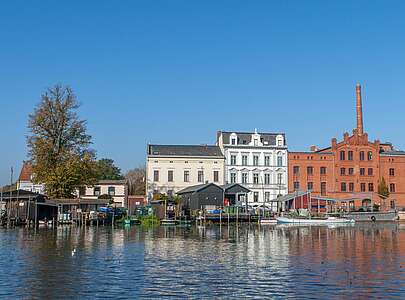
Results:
178 71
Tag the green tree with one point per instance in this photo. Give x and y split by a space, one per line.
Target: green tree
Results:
383 191
58 145
106 170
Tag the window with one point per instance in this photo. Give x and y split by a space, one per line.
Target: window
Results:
216 176
280 143
155 175
279 161
296 170
244 160
343 186
342 155
111 190
323 188
323 170
256 196
310 186
371 187
233 141
362 187
97 191
392 187
267 196
233 160
351 171
361 155
296 185
266 178
392 172
170 175
255 160
350 155
200 176
233 177
362 171
351 187
255 178
370 171
310 170
244 178
267 160
279 178
369 155
342 171
186 176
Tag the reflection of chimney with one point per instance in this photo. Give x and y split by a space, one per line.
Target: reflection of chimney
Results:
359 111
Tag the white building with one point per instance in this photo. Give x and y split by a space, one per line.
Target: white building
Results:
257 161
115 189
25 180
171 168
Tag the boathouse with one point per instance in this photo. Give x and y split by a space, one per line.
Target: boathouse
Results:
208 195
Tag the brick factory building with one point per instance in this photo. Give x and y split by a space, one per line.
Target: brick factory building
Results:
351 169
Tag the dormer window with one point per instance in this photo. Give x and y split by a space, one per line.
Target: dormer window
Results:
233 141
279 141
255 142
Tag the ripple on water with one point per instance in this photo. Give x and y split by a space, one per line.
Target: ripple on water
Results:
362 261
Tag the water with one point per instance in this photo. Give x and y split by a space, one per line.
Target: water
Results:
365 261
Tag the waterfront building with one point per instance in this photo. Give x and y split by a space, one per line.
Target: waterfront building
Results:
116 190
171 168
351 168
25 180
257 161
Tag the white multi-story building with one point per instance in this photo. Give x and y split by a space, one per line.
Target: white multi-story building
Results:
257 161
171 168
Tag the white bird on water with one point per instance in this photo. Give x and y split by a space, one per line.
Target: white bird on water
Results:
73 251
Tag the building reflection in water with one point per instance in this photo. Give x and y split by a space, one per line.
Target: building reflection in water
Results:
364 260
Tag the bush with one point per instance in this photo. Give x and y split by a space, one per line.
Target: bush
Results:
149 220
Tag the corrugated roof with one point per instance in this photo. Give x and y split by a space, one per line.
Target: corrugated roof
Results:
185 150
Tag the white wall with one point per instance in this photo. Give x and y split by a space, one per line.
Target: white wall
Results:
178 165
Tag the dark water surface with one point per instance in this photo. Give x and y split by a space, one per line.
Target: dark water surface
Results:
365 261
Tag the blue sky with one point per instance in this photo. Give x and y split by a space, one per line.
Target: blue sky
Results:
178 71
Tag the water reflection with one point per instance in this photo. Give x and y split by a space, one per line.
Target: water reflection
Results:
363 261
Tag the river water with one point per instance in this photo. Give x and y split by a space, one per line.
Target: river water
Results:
364 261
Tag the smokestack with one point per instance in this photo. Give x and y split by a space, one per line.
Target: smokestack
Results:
359 111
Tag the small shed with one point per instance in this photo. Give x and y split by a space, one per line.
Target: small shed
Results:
202 196
235 194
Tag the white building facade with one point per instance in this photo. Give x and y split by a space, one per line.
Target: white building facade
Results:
116 190
171 168
257 161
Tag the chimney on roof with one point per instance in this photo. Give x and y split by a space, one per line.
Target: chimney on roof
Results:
313 148
359 111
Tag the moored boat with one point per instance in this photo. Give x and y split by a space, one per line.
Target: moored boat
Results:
372 216
315 221
267 221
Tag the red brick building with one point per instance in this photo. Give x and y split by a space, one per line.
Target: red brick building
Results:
351 168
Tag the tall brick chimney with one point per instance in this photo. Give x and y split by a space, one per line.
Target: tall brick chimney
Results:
359 111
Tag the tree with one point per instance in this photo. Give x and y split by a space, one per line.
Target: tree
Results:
136 181
106 170
383 191
58 145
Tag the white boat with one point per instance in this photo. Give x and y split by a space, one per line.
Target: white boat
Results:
330 220
268 221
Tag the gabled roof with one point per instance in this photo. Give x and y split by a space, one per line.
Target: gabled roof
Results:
111 182
196 188
234 188
26 172
185 150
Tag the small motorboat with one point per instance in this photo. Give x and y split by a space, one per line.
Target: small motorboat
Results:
314 221
168 222
267 221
